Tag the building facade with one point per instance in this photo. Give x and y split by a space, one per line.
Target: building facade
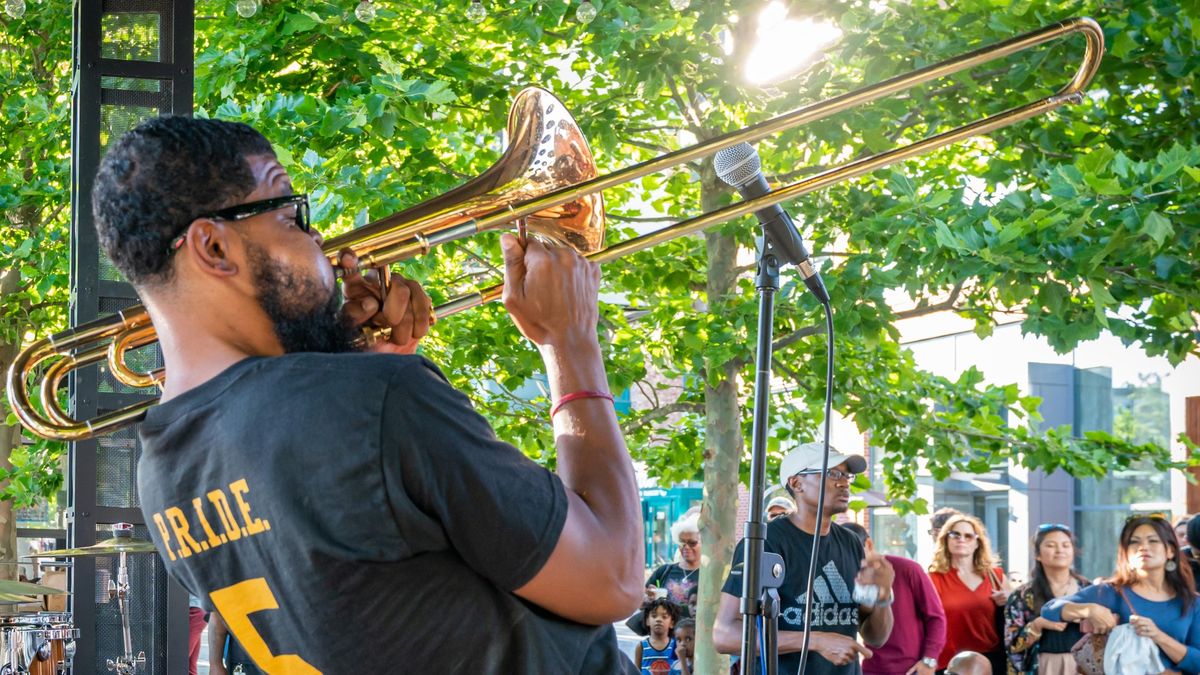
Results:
1102 385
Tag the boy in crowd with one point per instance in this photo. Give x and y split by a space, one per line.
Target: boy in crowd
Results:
685 647
656 653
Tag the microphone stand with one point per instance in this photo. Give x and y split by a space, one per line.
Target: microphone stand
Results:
762 572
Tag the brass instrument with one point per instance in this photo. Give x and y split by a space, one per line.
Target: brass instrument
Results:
546 182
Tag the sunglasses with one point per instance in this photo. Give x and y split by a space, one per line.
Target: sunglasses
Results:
251 209
690 543
1046 527
968 536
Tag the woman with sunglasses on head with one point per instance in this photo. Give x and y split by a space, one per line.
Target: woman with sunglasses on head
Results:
972 587
1151 589
1036 644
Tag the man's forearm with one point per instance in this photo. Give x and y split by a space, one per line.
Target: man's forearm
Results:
878 626
593 461
727 639
216 644
793 641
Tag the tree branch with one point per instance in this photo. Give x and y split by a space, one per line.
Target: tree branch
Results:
947 304
685 109
647 146
647 418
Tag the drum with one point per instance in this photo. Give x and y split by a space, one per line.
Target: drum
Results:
40 643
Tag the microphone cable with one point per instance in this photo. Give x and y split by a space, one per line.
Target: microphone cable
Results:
812 561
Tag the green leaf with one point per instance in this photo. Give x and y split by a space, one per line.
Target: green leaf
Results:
1157 227
24 249
300 23
1104 186
1123 45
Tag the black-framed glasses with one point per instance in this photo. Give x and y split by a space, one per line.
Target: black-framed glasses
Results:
251 209
1044 527
832 474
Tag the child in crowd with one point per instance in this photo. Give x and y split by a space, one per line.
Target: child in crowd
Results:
693 598
656 653
685 647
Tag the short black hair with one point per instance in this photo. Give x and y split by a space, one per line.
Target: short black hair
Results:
1193 534
686 623
857 530
650 605
939 517
162 175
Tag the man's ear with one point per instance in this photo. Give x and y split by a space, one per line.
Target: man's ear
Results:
795 486
209 245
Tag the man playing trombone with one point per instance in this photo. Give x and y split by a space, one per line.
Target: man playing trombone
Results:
348 511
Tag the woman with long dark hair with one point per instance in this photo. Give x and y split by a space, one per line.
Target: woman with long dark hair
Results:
1151 590
1034 643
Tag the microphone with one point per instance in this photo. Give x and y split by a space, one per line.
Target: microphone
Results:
741 169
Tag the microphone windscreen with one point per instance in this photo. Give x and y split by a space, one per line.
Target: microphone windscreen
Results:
737 164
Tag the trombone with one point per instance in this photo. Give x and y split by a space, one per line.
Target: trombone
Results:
546 182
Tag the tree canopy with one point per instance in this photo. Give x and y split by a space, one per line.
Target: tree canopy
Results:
1080 222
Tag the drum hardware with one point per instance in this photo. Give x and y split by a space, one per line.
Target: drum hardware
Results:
39 643
114 546
121 545
124 544
10 587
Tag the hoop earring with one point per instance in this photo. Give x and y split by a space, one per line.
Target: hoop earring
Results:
1170 566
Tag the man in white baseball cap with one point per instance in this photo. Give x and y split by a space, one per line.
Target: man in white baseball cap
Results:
836 619
806 459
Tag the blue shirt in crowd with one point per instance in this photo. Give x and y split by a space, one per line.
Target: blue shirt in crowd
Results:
1168 615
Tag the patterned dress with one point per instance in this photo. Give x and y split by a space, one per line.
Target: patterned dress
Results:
1022 650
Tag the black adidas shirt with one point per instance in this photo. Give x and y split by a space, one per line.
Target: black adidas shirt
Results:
833 609
351 513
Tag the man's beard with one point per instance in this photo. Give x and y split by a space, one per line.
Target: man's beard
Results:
285 296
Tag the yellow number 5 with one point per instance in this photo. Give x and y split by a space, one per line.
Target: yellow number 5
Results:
236 603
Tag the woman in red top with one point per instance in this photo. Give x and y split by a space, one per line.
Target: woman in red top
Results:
971 587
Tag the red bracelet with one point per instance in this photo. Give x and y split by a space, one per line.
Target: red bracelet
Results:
575 396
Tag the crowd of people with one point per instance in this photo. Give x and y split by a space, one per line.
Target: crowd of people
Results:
960 614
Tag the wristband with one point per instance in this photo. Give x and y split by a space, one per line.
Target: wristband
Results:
575 396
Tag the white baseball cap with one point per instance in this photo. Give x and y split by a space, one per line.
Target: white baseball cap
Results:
782 502
807 457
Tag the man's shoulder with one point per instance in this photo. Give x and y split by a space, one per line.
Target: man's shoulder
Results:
355 370
907 565
360 364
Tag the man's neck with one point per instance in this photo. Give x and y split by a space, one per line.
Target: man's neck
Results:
806 519
195 352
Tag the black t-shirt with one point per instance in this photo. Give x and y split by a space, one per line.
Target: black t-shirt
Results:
352 513
833 607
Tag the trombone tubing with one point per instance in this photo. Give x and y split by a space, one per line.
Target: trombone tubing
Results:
1093 52
1071 93
62 428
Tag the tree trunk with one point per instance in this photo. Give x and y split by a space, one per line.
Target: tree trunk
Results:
723 447
9 437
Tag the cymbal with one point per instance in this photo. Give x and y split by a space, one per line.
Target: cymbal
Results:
10 587
106 547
